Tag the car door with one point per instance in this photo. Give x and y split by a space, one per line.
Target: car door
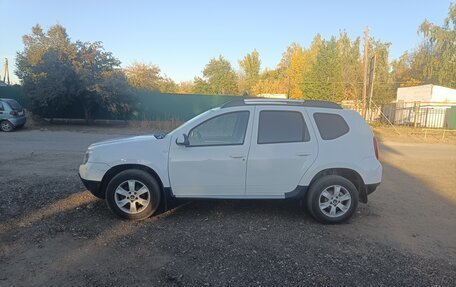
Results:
2 111
281 151
213 164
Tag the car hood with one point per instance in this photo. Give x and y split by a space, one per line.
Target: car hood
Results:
136 139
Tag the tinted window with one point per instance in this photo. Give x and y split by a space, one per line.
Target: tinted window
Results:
281 127
330 126
226 129
14 105
1 107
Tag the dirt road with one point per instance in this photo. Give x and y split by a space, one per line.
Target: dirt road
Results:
54 233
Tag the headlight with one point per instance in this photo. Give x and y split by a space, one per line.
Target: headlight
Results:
86 156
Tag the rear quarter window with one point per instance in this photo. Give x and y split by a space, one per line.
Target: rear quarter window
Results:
14 105
330 126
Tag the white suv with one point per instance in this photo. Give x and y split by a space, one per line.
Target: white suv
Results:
245 149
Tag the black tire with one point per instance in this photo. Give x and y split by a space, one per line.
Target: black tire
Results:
140 177
6 126
328 182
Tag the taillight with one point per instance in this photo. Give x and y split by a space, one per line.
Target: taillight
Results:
376 148
13 113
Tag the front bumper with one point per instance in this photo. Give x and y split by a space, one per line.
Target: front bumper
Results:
94 187
91 175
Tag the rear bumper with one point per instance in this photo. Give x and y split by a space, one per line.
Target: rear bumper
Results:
371 187
368 189
18 121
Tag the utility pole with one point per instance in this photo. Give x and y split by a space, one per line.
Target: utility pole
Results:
6 78
366 50
371 85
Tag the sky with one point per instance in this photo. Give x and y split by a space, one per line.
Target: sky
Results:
181 36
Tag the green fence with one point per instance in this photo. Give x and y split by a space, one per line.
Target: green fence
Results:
15 92
147 105
157 106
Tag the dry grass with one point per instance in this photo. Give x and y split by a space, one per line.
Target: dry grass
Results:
413 135
165 126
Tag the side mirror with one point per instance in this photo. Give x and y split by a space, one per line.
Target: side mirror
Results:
182 140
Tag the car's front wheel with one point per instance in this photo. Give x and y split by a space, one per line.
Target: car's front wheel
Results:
332 199
133 194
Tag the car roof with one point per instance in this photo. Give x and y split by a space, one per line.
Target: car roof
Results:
281 102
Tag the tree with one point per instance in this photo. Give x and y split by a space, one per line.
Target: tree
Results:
201 86
219 78
53 84
185 87
440 46
324 80
94 66
167 85
144 76
384 90
58 74
292 67
434 60
350 65
271 82
46 70
250 75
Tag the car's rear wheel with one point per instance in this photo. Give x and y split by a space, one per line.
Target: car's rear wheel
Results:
332 199
6 126
133 194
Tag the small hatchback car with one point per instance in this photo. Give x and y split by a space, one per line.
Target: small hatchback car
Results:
12 115
247 149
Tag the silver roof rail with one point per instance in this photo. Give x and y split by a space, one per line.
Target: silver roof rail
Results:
263 101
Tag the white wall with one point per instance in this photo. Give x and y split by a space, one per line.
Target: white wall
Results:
443 94
426 93
415 94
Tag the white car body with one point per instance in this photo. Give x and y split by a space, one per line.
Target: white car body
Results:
248 170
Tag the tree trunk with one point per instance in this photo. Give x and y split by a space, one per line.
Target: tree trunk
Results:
87 114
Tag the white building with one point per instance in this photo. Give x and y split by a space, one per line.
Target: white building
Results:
272 96
424 106
426 94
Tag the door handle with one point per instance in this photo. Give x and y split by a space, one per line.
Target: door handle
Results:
303 154
236 156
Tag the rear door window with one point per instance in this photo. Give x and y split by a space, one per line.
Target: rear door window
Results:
282 127
330 126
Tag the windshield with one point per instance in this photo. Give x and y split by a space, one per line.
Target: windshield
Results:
14 105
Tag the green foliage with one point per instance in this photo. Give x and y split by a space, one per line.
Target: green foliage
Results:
143 76
57 74
323 82
271 82
434 60
167 85
219 78
148 77
250 74
384 87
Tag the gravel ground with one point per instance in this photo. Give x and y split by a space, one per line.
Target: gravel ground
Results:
54 233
